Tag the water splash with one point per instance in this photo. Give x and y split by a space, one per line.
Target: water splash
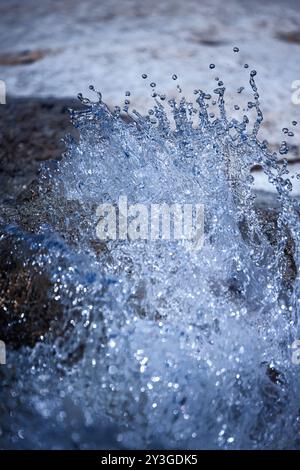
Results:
179 348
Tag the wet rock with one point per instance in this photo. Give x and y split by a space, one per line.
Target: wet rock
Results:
31 131
26 310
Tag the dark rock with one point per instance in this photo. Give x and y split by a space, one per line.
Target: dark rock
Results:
26 310
23 57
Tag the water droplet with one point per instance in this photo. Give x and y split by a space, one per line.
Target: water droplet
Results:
284 148
112 370
212 66
174 76
235 49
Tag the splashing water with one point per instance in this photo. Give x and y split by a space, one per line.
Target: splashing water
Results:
180 348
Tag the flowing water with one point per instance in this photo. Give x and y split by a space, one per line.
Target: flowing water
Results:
174 347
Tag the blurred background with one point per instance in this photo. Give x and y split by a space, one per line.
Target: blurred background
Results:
54 49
